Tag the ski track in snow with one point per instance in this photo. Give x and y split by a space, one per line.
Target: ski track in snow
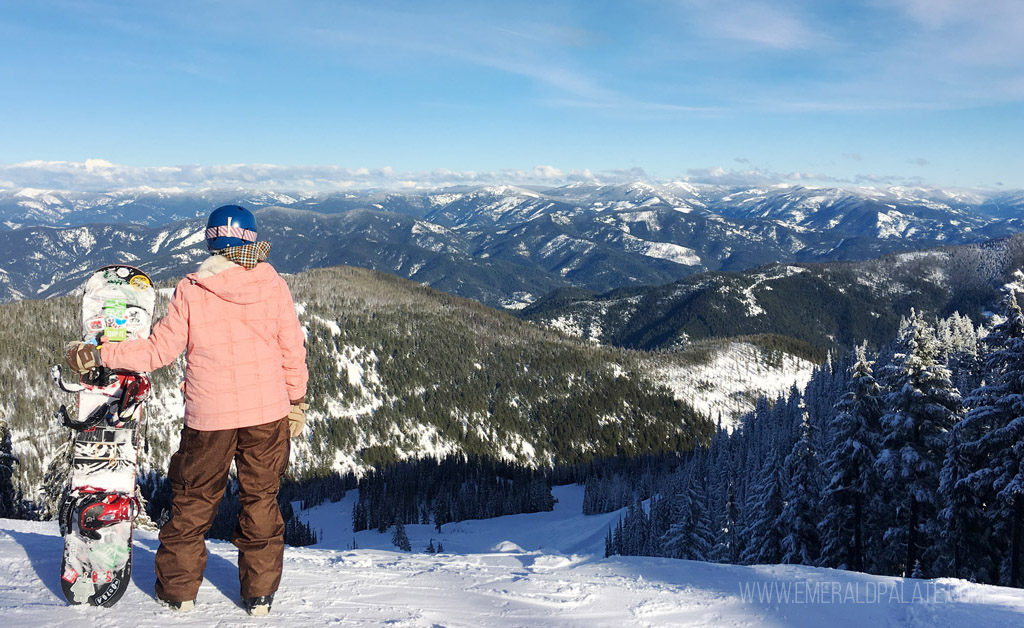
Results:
543 569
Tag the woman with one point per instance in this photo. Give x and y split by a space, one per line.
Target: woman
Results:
245 383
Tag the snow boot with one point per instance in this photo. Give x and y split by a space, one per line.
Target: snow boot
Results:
178 607
258 605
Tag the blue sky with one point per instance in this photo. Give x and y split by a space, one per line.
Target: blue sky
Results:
858 92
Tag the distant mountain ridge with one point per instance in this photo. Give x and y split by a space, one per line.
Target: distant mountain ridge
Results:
502 245
827 305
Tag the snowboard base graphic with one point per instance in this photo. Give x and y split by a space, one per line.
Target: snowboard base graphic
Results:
99 503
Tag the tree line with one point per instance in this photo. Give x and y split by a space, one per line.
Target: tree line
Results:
905 461
455 488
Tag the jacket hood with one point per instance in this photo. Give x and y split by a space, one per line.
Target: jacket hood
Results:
232 282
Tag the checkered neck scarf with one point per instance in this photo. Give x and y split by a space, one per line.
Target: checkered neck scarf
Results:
247 255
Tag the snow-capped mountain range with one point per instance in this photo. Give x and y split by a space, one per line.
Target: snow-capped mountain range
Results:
501 245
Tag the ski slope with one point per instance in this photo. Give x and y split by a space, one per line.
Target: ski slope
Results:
537 570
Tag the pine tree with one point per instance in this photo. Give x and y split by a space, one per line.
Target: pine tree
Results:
637 531
297 533
963 530
690 536
10 501
663 515
922 407
801 513
594 489
991 447
849 468
400 538
764 505
727 540
917 572
959 345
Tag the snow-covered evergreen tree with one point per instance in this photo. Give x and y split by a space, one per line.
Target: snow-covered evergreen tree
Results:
636 539
764 507
664 512
757 440
849 468
992 447
690 536
795 414
959 349
727 546
400 538
966 542
922 407
801 513
605 493
823 391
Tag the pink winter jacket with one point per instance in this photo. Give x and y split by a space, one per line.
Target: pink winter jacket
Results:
244 347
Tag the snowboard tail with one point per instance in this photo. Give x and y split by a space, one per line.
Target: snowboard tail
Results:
84 579
99 504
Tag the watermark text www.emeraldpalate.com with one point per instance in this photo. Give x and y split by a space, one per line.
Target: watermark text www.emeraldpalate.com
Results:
835 592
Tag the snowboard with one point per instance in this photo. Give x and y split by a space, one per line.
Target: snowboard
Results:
98 505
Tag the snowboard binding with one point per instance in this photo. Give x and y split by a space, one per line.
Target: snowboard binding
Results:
92 510
128 391
98 511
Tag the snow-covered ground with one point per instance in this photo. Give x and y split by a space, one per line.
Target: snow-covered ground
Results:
728 384
543 569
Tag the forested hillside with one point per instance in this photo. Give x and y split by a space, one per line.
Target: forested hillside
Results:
397 371
443 374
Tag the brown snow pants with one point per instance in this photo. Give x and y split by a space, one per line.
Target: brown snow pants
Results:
198 474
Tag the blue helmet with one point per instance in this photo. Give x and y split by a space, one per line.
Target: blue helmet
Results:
229 226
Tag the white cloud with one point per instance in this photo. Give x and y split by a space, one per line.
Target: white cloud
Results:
753 177
717 175
886 180
548 172
102 175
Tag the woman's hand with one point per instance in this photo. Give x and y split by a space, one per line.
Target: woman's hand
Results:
297 418
82 357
